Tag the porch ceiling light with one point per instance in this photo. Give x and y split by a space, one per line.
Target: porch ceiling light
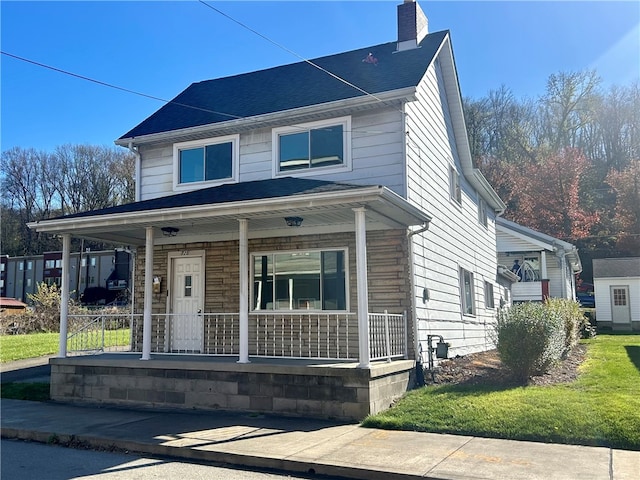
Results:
293 221
170 231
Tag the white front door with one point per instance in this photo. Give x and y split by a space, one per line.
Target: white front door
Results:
187 301
620 308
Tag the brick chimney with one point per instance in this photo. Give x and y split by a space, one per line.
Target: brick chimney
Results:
413 25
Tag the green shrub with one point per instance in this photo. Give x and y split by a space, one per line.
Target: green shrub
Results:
529 339
572 318
42 317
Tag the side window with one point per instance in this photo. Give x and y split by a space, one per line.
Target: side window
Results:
482 211
454 185
205 161
467 292
309 147
489 302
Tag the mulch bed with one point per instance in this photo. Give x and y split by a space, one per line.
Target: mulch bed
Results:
485 368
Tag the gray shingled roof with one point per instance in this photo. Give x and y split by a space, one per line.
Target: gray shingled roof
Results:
616 267
293 86
236 192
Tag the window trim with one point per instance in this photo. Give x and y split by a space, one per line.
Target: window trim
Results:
235 160
463 301
483 215
489 298
455 186
253 255
346 165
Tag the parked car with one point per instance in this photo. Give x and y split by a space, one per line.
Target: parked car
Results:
585 295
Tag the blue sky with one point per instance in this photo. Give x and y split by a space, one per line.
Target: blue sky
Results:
159 48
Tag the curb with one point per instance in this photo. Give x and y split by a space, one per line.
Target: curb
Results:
219 458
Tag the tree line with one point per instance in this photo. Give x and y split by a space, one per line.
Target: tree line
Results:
566 163
39 185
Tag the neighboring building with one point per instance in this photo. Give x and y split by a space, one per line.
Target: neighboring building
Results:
545 266
4 264
617 291
21 275
288 214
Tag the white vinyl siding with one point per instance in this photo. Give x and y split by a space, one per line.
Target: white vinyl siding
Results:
455 239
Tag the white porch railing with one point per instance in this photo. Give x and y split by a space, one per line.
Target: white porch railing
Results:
304 335
321 335
526 292
102 332
387 336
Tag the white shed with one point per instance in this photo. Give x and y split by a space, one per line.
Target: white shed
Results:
616 283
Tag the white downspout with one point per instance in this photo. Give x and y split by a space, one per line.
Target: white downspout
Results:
136 177
414 291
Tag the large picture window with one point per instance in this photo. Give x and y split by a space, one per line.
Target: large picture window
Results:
304 148
305 280
205 161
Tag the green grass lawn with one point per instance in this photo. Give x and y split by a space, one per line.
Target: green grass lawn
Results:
19 347
602 407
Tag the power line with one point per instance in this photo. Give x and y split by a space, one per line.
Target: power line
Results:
110 85
292 52
145 95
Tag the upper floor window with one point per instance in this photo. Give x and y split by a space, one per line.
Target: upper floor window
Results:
454 185
212 160
468 294
301 280
317 145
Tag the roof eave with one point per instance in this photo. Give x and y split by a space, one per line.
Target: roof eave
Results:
362 196
452 86
283 116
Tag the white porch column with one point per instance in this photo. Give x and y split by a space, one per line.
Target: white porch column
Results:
244 290
363 289
148 295
64 295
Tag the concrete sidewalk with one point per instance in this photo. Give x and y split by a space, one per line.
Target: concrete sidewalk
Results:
311 446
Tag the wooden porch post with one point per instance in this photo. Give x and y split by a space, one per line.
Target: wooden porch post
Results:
244 290
148 295
64 294
363 289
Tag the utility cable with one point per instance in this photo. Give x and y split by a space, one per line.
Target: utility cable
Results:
292 52
110 85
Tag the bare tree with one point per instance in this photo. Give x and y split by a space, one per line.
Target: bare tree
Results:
29 187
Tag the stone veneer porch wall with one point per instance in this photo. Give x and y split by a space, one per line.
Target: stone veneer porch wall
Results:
338 391
387 259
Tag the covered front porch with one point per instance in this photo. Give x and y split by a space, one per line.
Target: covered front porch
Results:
214 302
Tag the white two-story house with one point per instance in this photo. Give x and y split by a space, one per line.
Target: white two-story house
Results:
321 221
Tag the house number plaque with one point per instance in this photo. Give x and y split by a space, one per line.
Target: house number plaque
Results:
185 253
